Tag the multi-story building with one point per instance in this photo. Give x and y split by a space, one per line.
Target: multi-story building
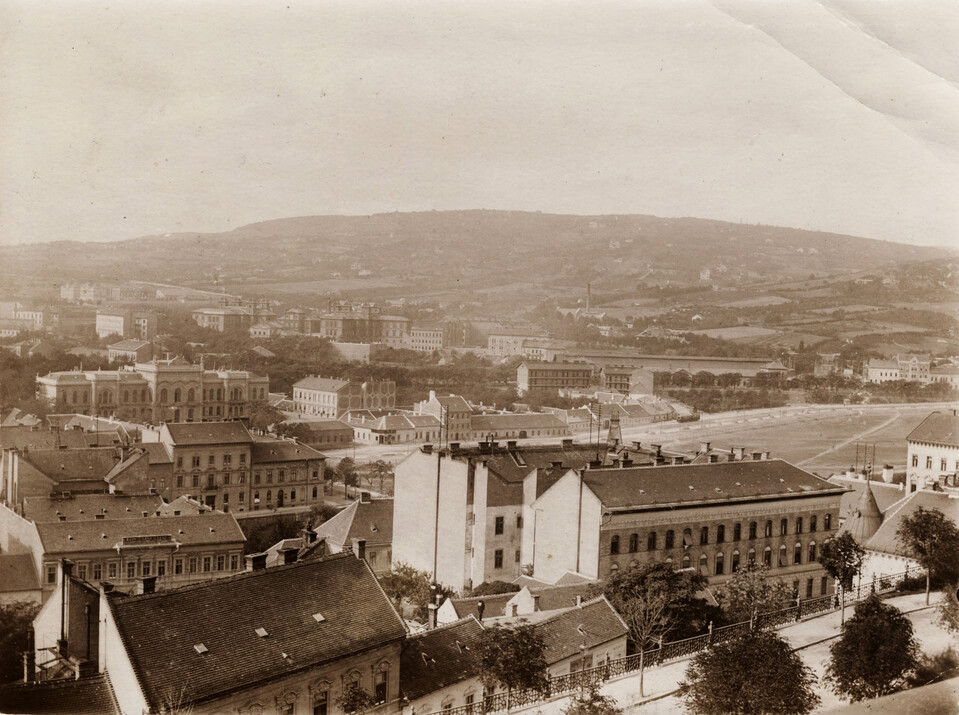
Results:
131 351
223 318
425 340
948 374
713 517
454 414
172 390
285 473
906 367
933 451
212 461
329 397
553 376
361 323
626 380
506 342
127 324
365 528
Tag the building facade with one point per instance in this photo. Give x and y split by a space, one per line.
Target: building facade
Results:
425 340
141 325
330 397
361 323
553 376
933 451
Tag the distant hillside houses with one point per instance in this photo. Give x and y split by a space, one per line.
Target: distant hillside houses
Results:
905 367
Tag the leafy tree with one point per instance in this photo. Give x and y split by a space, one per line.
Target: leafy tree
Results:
380 471
262 417
756 673
875 652
935 667
346 471
513 657
590 702
488 588
407 584
933 539
655 601
355 699
750 592
842 557
15 620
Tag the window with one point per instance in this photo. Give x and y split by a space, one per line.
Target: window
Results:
519 517
795 589
670 537
686 561
498 559
161 568
768 529
256 477
220 562
193 564
812 523
782 555
797 553
928 462
751 556
196 480
498 529
132 569
269 495
195 461
210 480
226 479
269 476
650 541
812 552
314 494
783 526
719 564
704 535
752 530
179 481
97 571
735 563
915 460
51 573
146 568
517 556
234 562
207 564
321 702
720 533
942 464
177 567
823 586
738 532
111 570
703 565
179 462
614 544
827 522
798 524
768 556
808 588
293 495
281 476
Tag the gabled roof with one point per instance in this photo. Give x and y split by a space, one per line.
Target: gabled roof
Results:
439 658
494 605
325 425
18 573
70 464
513 465
313 613
282 450
937 428
157 452
885 494
323 384
22 437
454 403
84 696
101 534
529 420
85 507
657 487
190 433
131 344
885 538
592 624
372 520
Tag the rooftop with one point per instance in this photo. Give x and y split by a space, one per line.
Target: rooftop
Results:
372 520
312 612
129 344
192 433
937 428
885 537
17 573
439 658
282 451
71 464
592 624
85 507
323 384
84 696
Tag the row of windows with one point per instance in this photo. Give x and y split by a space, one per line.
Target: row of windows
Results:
652 543
719 560
95 570
196 459
499 524
498 558
943 463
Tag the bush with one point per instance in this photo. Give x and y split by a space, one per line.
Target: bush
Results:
489 588
932 668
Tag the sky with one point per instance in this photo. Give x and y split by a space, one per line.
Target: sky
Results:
132 117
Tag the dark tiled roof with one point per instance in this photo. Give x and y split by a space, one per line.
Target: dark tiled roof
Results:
86 696
356 615
371 520
560 596
282 451
439 658
532 420
593 623
937 428
67 464
18 573
885 494
514 465
72 536
690 483
157 452
494 605
187 433
85 507
885 537
325 426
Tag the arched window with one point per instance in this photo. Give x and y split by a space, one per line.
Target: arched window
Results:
798 524
735 563
719 564
219 393
669 560
314 492
687 538
704 565
768 531
651 541
797 553
812 552
143 395
176 395
256 496
190 395
686 561
613 568
163 396
74 397
269 495
782 555
670 539
827 522
85 398
752 530
126 396
703 535
292 494
751 556
768 556
738 532
633 543
614 544
634 564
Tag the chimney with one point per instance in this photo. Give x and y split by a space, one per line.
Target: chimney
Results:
427 449
359 549
579 600
147 584
365 498
511 444
765 455
627 462
454 446
106 587
887 473
556 464
739 453
756 456
432 395
567 443
480 607
30 658
536 602
256 562
704 447
432 609
677 460
308 536
659 450
713 458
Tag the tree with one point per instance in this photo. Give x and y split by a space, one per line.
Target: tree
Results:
755 673
750 592
355 699
262 417
933 539
654 601
590 702
875 652
488 588
842 557
513 657
408 584
935 667
380 470
346 471
15 620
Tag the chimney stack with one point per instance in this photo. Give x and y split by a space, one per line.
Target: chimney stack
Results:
887 473
739 453
289 555
432 609
427 448
704 447
567 443
511 444
359 549
365 498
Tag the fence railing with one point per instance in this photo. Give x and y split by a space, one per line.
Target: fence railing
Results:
613 668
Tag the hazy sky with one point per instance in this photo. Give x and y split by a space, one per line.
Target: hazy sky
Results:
119 119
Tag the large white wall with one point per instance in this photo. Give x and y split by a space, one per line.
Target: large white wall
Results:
565 512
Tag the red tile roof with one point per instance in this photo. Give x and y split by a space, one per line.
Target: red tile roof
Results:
224 614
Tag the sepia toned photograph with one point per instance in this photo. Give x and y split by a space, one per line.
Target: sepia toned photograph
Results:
479 357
